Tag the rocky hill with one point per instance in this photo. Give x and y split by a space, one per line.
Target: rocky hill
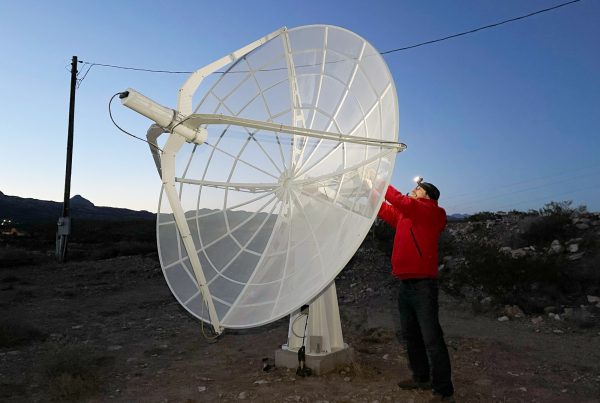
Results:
27 211
545 262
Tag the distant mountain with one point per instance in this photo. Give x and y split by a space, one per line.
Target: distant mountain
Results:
457 217
34 211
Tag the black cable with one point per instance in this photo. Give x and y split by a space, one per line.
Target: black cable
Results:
381 53
548 197
305 323
557 174
305 326
124 131
473 201
80 80
137 69
215 336
480 28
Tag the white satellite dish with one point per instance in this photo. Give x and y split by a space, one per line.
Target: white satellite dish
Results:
265 203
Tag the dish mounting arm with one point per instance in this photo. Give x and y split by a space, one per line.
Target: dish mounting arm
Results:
172 121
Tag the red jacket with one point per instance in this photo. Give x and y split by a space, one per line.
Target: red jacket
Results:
418 224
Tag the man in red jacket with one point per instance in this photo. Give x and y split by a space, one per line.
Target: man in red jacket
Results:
418 221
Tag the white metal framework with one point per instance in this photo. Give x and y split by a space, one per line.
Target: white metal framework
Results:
263 198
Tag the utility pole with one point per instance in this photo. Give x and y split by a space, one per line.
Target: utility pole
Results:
64 222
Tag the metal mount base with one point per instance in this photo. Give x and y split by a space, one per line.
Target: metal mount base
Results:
316 330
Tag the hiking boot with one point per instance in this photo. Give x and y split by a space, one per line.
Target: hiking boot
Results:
411 383
438 397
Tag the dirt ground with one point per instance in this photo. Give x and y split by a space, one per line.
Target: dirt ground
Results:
147 348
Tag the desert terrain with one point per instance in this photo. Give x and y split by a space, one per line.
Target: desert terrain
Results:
109 329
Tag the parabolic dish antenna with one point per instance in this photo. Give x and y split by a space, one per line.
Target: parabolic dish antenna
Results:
270 182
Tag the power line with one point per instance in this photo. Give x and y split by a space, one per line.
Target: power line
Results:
139 69
80 80
92 64
556 174
549 197
472 202
503 206
480 28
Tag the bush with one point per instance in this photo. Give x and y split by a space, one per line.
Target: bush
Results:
87 231
109 250
548 228
554 223
499 275
72 372
72 387
562 208
587 274
384 236
15 332
483 216
11 256
447 245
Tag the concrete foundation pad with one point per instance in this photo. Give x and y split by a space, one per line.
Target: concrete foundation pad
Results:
318 363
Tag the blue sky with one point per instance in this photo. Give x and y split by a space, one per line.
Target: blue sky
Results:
506 118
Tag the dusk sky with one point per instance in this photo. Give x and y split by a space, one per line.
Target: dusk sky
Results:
504 118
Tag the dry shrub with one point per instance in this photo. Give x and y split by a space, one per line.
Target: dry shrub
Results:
554 222
384 236
377 335
548 228
11 256
15 332
483 216
109 250
499 275
72 372
72 387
